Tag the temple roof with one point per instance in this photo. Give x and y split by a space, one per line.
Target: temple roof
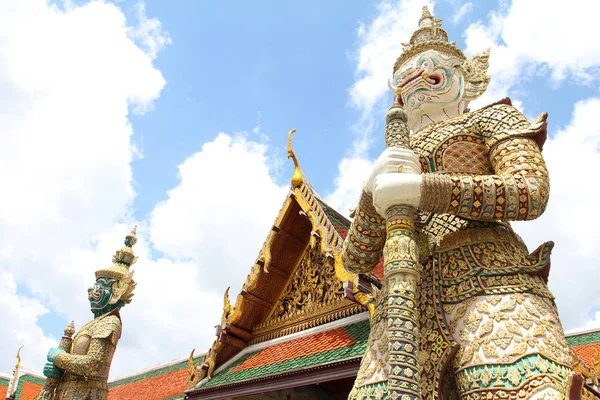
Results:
29 385
342 342
4 381
163 381
585 343
306 232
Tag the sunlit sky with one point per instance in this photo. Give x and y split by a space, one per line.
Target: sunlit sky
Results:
174 115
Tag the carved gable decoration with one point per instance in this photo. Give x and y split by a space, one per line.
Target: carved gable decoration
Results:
313 296
313 283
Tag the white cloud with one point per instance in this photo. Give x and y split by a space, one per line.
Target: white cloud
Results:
149 33
221 212
524 40
171 312
18 317
380 43
593 323
573 157
528 39
65 152
462 11
352 172
211 228
67 80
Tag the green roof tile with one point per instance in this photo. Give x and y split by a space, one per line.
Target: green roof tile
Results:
586 338
359 332
334 216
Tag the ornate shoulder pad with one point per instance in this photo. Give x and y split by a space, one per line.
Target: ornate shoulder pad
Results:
503 121
108 328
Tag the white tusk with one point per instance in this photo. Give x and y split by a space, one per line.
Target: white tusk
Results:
393 88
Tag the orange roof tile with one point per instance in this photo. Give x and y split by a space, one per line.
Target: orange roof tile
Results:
29 391
587 351
330 340
154 388
378 270
342 231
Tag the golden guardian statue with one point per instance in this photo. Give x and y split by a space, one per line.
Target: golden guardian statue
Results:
78 368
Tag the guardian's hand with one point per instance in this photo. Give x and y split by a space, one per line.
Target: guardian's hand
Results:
396 189
52 353
393 160
52 371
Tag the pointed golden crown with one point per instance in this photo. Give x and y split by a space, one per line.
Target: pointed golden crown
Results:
122 260
429 36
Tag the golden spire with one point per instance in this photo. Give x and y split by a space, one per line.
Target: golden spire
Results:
297 176
120 270
132 236
122 260
424 16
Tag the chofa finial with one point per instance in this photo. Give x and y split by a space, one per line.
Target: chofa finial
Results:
297 176
18 358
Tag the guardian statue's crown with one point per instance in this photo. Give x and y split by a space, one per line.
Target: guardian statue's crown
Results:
120 270
430 35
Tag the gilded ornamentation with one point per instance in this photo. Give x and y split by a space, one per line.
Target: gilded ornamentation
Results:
192 370
365 240
12 385
504 328
325 243
79 367
313 283
374 366
228 309
297 176
309 317
590 374
402 271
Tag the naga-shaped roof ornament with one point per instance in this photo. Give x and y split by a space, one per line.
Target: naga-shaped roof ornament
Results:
429 35
297 176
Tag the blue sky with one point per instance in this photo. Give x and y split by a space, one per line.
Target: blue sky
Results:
281 65
227 68
206 92
284 65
